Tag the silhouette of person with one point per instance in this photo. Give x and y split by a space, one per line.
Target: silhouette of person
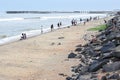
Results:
52 27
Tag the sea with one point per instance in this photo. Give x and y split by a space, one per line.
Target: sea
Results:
13 25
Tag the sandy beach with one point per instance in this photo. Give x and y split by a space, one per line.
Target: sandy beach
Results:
43 57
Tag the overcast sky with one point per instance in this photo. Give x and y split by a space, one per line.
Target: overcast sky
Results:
59 5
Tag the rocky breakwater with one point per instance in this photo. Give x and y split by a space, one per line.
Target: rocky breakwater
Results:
100 58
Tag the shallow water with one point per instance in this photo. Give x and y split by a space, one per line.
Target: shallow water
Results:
12 25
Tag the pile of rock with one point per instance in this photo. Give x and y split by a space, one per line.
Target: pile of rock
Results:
99 59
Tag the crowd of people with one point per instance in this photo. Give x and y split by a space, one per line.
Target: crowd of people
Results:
74 22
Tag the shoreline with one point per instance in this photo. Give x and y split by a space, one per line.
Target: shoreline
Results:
30 34
34 33
9 38
42 57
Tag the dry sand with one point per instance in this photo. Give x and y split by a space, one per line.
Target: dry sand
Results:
41 57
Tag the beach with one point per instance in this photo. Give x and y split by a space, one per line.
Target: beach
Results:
44 57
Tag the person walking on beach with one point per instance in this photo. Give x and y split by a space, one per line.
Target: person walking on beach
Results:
72 22
58 24
41 29
52 27
80 20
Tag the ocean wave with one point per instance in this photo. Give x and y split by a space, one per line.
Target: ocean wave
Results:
11 19
71 16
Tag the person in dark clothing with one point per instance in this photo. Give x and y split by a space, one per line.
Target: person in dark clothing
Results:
23 36
58 25
105 21
52 27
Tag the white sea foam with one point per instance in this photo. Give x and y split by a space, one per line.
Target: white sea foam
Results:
11 19
72 16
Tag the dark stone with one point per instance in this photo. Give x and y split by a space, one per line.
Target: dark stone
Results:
114 76
72 55
107 47
79 45
76 69
107 55
117 52
69 78
78 49
60 37
84 69
97 48
111 67
117 49
103 78
118 36
93 76
96 66
84 77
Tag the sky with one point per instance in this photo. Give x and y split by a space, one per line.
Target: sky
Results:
59 5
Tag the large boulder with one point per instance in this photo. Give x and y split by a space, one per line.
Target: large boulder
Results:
117 52
114 76
96 66
107 55
107 47
111 67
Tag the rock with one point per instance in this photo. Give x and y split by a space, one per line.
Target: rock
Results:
84 77
111 67
72 55
107 55
96 66
78 49
97 48
76 69
114 76
60 37
84 69
79 45
103 78
117 52
117 49
69 78
107 47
